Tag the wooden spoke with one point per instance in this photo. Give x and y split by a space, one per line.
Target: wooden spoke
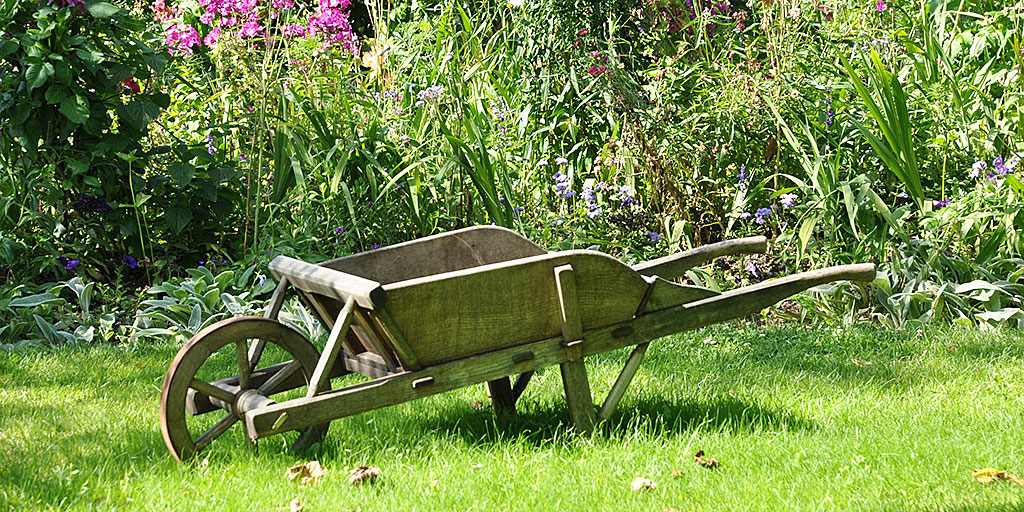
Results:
222 426
244 368
270 386
212 390
182 435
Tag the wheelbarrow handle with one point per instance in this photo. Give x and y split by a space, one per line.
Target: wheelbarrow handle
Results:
748 300
675 265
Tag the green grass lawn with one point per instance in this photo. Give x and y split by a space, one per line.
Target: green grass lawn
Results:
801 419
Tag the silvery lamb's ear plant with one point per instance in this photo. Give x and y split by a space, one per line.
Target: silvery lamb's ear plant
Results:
184 306
48 318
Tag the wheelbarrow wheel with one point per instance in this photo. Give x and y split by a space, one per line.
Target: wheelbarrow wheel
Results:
231 367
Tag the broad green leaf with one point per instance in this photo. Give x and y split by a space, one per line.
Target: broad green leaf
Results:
181 173
177 218
75 108
141 113
102 9
35 300
37 74
55 93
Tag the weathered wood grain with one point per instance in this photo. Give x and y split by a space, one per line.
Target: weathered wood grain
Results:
473 311
664 294
463 372
574 372
675 265
321 374
328 282
445 252
622 382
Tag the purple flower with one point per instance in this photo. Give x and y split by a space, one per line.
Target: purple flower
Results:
762 214
561 161
542 163
941 204
375 246
66 3
68 264
978 168
654 237
788 200
339 230
742 177
594 211
745 215
431 94
753 269
128 260
588 194
999 166
261 279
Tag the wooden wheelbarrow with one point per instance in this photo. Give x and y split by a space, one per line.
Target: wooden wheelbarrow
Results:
471 306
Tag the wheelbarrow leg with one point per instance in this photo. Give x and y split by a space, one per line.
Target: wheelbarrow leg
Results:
500 393
574 371
622 382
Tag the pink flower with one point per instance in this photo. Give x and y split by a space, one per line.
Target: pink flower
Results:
250 29
597 70
181 38
212 38
881 6
293 30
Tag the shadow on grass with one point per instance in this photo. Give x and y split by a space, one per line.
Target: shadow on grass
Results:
542 423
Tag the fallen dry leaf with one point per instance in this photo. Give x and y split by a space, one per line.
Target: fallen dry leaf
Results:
860 363
363 474
987 475
476 405
295 505
308 472
640 483
701 461
676 472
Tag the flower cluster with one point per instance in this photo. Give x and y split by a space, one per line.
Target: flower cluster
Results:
431 95
1000 167
246 19
562 185
91 205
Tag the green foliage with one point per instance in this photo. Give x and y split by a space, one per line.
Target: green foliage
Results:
181 307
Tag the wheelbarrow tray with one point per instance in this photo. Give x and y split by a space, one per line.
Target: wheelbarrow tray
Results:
476 306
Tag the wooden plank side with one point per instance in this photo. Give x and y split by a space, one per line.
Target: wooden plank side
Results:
665 294
445 252
469 312
675 265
